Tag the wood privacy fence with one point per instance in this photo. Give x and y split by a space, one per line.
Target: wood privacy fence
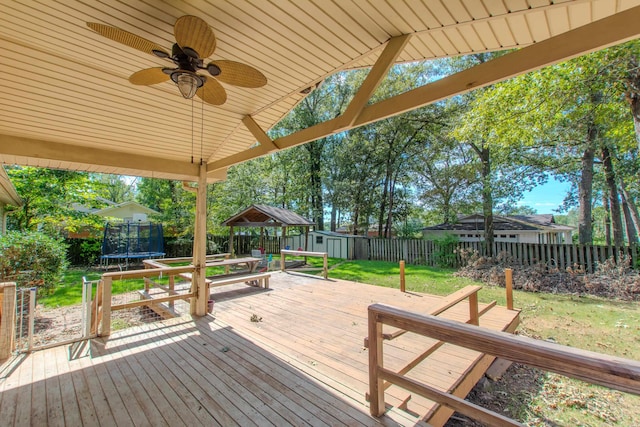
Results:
415 251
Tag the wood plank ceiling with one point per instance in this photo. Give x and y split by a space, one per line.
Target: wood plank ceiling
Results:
66 101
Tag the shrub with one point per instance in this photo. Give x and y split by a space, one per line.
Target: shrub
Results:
32 259
445 251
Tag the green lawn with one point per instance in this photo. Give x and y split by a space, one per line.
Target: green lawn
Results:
591 323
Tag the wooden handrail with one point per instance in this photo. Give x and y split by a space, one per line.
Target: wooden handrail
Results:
323 255
449 301
137 274
609 371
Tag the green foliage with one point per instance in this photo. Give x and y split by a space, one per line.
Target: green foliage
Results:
49 196
445 252
31 259
83 252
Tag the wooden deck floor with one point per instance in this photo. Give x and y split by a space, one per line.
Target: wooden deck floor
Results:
303 363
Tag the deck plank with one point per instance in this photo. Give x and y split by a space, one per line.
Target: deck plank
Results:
68 396
303 365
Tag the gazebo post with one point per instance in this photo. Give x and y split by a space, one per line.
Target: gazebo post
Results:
262 239
198 305
306 241
231 240
284 238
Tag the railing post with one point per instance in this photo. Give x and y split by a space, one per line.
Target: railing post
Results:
172 287
508 284
8 319
281 261
402 282
87 288
105 321
376 384
32 317
325 266
474 318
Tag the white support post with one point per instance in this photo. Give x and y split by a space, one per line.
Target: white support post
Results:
198 284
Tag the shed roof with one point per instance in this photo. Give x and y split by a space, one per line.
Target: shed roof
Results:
267 216
67 102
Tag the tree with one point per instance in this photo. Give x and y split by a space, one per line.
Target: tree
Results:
49 198
175 204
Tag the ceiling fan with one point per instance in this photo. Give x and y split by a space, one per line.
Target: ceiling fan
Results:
195 41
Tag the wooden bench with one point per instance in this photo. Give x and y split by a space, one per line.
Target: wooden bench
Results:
261 280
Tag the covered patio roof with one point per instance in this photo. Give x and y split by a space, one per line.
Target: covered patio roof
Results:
67 102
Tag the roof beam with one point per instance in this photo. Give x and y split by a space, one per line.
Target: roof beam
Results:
597 35
600 34
56 151
259 134
376 75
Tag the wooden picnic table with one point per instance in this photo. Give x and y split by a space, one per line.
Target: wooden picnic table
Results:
250 263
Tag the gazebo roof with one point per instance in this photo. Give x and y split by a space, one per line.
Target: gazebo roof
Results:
67 102
267 216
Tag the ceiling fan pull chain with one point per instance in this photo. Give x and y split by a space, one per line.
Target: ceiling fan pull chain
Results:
191 130
201 129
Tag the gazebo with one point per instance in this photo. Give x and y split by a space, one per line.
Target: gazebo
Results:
267 216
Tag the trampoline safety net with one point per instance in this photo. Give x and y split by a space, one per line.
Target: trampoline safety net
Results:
132 240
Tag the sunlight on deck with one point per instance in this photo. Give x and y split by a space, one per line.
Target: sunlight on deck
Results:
289 355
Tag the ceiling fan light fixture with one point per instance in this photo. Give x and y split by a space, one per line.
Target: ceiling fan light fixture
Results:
188 82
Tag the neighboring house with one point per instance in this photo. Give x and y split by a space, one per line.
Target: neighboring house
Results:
513 228
8 196
127 212
121 212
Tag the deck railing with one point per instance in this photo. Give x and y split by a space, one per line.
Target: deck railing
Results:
104 306
613 372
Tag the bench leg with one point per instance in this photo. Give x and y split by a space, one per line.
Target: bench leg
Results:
266 283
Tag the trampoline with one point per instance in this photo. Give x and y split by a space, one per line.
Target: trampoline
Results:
123 242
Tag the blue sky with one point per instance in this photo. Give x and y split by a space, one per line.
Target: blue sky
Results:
546 198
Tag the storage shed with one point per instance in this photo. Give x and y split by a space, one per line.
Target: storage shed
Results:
337 245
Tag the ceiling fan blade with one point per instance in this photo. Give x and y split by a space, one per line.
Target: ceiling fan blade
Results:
125 37
238 74
212 92
150 76
193 32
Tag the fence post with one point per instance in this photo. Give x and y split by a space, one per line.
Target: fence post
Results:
402 282
508 280
7 318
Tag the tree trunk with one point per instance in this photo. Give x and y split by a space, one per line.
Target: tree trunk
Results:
389 222
633 94
632 205
614 202
315 170
487 200
383 204
585 191
334 215
607 219
632 231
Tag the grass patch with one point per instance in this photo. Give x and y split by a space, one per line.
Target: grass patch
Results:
591 323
